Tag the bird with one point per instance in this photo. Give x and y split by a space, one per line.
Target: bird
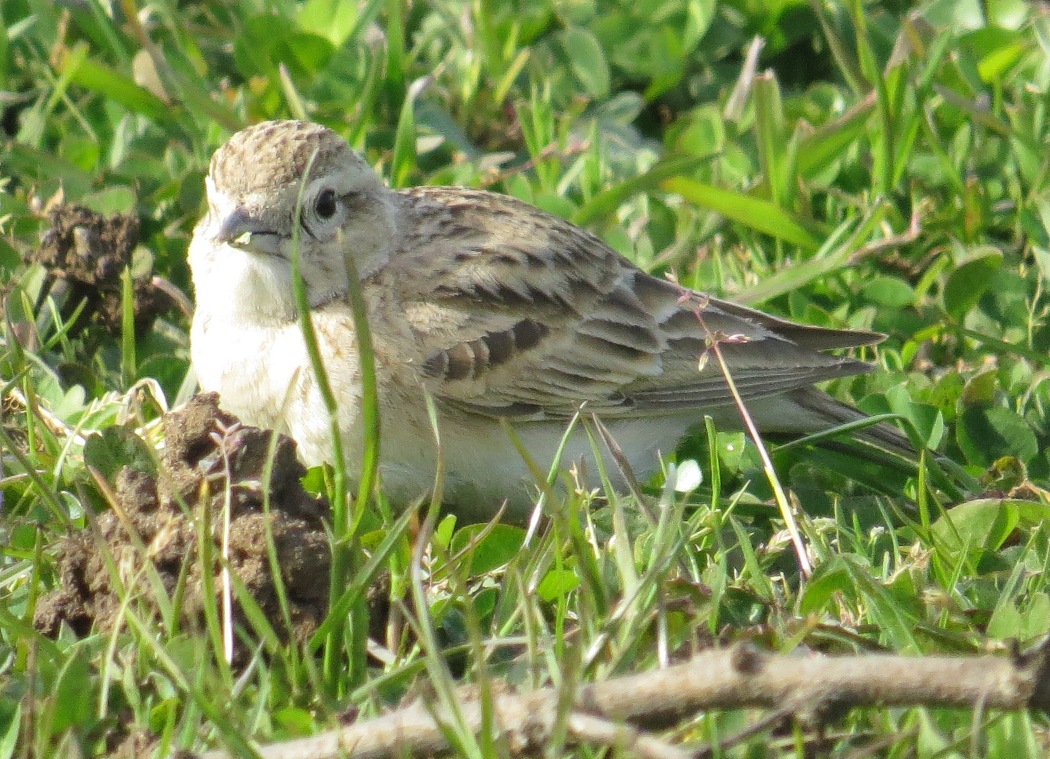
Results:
507 317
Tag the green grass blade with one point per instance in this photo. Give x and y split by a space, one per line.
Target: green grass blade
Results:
761 215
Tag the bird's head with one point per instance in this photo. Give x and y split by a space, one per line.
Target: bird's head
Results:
282 185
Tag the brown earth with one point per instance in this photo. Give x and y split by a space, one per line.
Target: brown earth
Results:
89 252
156 521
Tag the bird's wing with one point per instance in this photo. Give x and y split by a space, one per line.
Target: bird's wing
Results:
521 314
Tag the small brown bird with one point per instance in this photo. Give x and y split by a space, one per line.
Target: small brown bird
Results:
496 308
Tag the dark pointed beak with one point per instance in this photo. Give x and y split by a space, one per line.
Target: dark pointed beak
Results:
235 225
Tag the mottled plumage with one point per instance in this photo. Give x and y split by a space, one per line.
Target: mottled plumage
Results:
498 309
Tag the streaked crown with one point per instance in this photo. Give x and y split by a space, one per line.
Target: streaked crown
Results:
274 154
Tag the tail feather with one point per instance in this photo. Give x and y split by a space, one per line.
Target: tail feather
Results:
826 412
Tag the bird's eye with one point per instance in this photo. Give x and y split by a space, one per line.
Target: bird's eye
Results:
325 205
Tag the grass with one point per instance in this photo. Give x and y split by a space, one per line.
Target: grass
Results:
881 167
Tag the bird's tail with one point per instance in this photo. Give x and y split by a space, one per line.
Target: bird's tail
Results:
822 412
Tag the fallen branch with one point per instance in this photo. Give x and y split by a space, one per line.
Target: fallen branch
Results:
617 711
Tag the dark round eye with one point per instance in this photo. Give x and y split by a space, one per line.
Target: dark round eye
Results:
325 205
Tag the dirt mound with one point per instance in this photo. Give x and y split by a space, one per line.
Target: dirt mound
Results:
209 460
89 251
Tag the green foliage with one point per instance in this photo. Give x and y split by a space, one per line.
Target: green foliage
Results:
878 166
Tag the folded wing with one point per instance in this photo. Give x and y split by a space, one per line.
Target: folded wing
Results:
537 317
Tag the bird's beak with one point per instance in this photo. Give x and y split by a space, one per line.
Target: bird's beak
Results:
237 227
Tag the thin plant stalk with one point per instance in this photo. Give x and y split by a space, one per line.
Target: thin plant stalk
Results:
128 360
344 522
767 467
227 585
767 462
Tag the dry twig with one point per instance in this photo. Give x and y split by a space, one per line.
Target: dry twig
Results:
741 676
